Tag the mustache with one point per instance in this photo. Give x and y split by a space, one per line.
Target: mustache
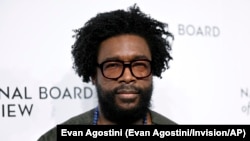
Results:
127 89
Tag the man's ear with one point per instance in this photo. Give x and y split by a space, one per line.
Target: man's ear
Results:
93 80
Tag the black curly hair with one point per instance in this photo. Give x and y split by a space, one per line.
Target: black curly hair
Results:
109 24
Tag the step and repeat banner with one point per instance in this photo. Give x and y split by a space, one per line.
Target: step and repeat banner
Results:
208 81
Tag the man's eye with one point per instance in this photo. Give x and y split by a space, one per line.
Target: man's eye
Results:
112 65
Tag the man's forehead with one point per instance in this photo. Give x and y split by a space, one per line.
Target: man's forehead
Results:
124 47
126 58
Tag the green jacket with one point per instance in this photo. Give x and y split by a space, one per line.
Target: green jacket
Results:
87 119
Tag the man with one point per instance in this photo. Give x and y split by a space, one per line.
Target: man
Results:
120 52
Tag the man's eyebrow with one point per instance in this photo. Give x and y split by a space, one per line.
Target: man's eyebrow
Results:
141 57
116 58
111 59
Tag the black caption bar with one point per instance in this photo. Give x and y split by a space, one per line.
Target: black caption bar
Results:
156 132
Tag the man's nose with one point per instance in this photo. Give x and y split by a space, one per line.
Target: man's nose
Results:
127 76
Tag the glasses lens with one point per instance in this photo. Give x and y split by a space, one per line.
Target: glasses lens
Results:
114 69
141 69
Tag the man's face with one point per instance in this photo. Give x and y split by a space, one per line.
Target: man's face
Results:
127 97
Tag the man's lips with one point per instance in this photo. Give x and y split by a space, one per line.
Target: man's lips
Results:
127 97
127 94
127 91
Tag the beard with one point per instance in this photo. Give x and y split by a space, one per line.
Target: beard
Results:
116 114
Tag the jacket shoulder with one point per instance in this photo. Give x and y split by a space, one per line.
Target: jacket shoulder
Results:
82 119
158 119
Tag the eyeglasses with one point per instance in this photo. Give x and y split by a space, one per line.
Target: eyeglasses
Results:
115 69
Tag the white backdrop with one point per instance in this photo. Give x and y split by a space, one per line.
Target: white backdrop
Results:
208 81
